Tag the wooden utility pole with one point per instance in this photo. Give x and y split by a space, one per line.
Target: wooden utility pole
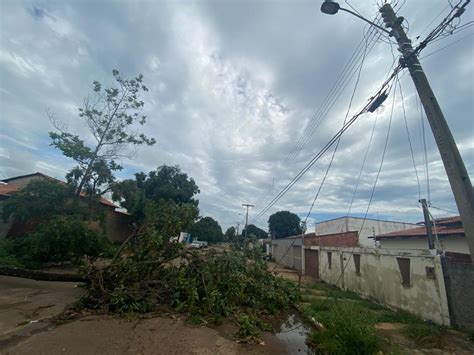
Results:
426 215
453 163
246 220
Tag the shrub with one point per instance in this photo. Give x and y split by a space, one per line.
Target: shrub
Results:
61 239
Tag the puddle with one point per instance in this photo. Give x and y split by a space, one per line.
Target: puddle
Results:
293 331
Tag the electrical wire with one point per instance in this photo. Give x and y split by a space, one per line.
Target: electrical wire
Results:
332 157
386 85
371 195
334 93
447 46
409 138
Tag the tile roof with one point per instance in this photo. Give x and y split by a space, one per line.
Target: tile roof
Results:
7 189
441 230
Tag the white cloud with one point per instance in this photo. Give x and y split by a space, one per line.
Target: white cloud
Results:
232 87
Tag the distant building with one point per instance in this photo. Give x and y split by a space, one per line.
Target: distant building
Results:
118 224
449 232
365 227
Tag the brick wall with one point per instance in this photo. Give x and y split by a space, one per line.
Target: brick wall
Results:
459 280
347 239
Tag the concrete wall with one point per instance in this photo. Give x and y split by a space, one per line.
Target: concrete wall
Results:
380 279
118 226
455 243
459 279
287 252
366 229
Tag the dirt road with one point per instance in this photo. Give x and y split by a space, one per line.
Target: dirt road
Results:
26 326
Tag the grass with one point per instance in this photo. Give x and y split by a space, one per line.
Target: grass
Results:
346 331
349 323
424 334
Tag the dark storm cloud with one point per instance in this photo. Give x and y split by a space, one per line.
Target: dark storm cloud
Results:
232 87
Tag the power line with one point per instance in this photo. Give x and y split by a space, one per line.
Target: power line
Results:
375 99
409 138
331 161
447 46
334 93
372 193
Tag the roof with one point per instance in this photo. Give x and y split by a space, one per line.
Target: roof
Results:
7 189
420 232
355 217
27 175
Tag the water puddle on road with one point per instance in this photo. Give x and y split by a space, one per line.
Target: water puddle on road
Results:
293 331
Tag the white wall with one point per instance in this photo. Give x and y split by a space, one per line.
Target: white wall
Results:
287 252
456 244
380 279
369 228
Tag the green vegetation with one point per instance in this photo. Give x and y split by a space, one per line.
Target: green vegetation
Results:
284 224
152 273
111 116
349 322
254 231
423 334
167 193
346 331
207 229
61 239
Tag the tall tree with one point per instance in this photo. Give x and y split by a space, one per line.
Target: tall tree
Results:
110 115
207 229
284 224
253 230
167 193
230 233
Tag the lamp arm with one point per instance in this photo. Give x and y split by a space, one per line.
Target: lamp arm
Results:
364 19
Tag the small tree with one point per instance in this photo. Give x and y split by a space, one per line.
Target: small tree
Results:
284 224
109 114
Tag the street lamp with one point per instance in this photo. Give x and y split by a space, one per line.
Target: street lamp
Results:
452 160
330 7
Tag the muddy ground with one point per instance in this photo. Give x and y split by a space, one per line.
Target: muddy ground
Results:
27 308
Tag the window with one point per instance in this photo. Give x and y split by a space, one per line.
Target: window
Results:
329 260
357 263
404 266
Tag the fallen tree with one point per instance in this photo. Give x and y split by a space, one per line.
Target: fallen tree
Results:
152 273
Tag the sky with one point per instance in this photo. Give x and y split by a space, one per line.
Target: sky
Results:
233 87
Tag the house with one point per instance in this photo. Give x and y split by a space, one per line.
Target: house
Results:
365 227
118 224
448 234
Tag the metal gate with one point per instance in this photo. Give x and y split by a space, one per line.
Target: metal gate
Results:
311 263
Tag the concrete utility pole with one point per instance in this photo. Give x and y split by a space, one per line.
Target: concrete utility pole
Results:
426 215
453 163
237 233
246 218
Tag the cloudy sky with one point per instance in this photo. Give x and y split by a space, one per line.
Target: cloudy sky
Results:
234 86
